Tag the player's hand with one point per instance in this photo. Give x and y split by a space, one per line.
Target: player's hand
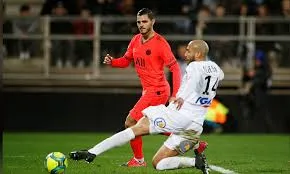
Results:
171 99
108 59
178 102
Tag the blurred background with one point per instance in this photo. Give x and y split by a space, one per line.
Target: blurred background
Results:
54 79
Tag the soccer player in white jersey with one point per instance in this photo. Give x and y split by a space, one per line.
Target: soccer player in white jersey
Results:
184 116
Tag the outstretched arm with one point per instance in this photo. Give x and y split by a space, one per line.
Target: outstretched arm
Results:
121 62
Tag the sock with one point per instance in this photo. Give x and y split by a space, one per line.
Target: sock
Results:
118 139
167 133
175 163
137 147
196 146
141 160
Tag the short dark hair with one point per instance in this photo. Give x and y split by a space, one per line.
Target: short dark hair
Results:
86 8
24 8
146 11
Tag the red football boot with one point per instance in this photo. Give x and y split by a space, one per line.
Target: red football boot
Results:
134 163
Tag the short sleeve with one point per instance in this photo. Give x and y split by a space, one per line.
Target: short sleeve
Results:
222 75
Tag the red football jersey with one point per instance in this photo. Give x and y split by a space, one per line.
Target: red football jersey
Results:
149 59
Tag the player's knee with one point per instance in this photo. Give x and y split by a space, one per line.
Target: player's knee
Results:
129 122
155 161
157 164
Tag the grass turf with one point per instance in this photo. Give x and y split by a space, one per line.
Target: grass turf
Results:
24 153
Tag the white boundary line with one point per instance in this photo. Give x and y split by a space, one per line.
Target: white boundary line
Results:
221 170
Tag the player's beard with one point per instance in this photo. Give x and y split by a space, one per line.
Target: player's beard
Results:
188 61
144 31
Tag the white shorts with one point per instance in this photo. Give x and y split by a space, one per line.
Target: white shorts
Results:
163 119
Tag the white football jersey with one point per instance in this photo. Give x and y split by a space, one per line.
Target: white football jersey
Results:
198 88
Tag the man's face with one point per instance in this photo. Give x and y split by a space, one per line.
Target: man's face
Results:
189 53
244 10
286 4
203 14
262 10
60 11
25 13
144 24
85 13
181 51
220 11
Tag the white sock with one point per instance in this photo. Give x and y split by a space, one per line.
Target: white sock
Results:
140 160
196 146
175 163
116 140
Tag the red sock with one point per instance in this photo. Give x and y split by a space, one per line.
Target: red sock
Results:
136 145
167 133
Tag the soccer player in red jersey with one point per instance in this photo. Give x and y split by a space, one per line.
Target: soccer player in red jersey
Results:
150 52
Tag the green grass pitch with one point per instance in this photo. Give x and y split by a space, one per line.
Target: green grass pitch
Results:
24 153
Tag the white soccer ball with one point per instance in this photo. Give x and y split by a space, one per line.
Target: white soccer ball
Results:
56 163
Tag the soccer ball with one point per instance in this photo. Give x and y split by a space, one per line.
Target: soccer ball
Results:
55 163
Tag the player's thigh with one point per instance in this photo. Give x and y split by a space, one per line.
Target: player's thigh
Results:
163 152
142 127
158 99
162 119
149 99
136 112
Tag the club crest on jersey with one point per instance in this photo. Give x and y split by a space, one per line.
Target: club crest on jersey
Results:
160 122
148 52
203 101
